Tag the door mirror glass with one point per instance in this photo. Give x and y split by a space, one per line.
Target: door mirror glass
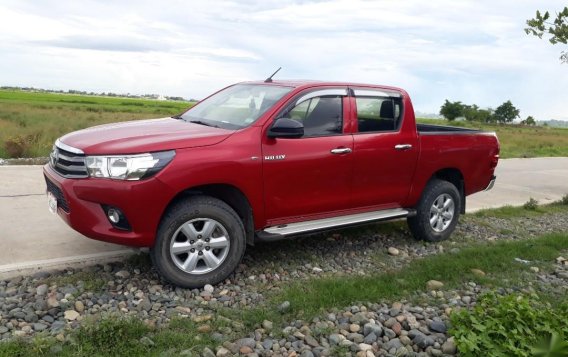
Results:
286 128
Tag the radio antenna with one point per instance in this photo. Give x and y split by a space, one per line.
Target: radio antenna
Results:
269 79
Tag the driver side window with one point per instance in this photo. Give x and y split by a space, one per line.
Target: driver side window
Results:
320 116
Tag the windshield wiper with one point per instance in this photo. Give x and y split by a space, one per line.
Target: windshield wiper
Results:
176 117
202 123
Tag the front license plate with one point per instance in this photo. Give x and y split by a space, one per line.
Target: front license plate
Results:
51 203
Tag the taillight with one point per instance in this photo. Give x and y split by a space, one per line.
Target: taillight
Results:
494 158
494 161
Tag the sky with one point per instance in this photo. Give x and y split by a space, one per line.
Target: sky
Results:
474 51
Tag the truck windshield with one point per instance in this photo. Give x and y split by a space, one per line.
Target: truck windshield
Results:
235 107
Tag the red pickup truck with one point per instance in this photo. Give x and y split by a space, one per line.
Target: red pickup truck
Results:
262 161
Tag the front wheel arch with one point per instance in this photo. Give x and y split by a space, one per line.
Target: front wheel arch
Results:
229 194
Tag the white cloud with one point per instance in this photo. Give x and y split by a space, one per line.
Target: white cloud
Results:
473 51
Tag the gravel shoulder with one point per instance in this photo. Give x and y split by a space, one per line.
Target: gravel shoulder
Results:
53 305
25 161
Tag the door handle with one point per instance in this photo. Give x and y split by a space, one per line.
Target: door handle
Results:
403 147
341 151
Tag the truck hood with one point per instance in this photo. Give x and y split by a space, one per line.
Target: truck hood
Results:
141 136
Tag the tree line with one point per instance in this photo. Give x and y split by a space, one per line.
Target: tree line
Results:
503 114
543 24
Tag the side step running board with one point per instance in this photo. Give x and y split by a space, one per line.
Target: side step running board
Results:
280 231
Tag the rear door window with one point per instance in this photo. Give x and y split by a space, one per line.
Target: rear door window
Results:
376 113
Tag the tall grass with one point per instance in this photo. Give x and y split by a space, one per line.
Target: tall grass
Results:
30 122
518 140
91 103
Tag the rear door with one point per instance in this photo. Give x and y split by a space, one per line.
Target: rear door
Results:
384 155
310 176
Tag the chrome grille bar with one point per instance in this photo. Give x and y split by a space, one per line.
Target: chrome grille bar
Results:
68 161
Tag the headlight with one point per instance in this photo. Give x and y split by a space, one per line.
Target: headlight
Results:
128 167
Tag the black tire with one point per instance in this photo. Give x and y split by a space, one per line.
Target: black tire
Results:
420 225
187 216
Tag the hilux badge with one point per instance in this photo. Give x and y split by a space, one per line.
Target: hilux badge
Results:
274 157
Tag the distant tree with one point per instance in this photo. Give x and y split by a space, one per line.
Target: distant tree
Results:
485 115
470 112
529 121
474 113
557 29
506 113
491 119
451 110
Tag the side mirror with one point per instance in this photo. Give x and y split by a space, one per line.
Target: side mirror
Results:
286 128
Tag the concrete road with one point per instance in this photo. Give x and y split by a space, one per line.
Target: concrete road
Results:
31 238
544 179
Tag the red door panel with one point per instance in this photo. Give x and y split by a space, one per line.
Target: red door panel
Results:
384 161
302 177
382 175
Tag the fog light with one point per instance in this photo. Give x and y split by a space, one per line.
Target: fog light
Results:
113 215
116 218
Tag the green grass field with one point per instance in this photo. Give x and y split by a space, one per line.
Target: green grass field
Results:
519 140
30 122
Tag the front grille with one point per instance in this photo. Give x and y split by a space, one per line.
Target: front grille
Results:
67 163
56 191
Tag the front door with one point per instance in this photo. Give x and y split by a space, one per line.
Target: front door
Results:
307 177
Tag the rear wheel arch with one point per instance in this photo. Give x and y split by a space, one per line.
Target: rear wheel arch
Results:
437 212
455 177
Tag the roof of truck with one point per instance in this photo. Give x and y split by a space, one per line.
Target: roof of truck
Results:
296 83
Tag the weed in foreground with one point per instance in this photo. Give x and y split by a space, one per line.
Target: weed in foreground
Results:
508 325
531 204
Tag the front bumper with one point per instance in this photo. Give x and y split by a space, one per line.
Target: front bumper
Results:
491 183
80 206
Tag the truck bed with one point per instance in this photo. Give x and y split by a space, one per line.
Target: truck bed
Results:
430 129
471 151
